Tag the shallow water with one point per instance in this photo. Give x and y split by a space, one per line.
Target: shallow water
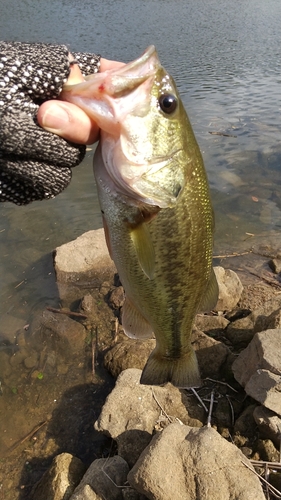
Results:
225 58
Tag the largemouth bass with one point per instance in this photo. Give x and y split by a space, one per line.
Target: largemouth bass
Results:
156 209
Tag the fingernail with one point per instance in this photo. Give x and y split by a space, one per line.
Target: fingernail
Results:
55 118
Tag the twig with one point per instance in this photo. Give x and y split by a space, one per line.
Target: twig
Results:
68 313
199 399
25 438
231 409
272 489
210 409
161 407
227 256
220 382
222 133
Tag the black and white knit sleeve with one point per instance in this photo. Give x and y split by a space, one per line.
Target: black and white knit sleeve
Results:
34 164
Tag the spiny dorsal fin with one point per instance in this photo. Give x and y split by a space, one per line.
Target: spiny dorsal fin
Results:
134 324
210 297
143 244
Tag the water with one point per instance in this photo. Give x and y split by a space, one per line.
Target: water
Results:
225 58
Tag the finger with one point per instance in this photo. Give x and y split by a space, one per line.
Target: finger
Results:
68 121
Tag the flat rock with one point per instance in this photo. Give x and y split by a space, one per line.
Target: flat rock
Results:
132 411
230 289
105 477
213 325
191 464
60 480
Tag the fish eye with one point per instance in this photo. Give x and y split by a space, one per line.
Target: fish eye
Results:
168 103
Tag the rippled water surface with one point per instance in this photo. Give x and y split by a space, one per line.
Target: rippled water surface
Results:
225 58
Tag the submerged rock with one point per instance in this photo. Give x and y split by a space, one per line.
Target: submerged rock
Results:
191 464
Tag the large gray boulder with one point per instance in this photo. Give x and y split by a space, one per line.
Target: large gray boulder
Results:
192 464
133 411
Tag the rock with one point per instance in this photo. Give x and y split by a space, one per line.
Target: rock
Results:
211 354
269 424
259 315
60 480
240 332
68 335
213 325
87 493
128 353
116 298
131 413
273 321
105 476
245 424
82 262
187 463
265 387
263 352
230 289
267 451
275 265
31 360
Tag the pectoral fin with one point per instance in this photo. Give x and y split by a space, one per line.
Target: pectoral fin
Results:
134 324
143 244
210 297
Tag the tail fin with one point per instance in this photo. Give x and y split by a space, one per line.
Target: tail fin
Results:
182 372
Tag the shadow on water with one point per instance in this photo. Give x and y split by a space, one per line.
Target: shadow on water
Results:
70 430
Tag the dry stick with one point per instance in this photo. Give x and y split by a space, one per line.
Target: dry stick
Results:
223 383
227 256
273 490
68 313
28 436
161 407
210 409
223 134
199 399
231 409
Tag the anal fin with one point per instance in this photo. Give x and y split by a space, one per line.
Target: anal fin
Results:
134 324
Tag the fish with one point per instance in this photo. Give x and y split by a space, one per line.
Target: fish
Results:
156 208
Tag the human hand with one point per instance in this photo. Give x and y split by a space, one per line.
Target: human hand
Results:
34 164
66 119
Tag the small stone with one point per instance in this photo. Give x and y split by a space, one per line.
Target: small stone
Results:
128 354
230 289
31 360
240 332
213 325
267 451
275 265
116 298
211 354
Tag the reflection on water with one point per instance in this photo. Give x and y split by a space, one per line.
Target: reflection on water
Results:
225 58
